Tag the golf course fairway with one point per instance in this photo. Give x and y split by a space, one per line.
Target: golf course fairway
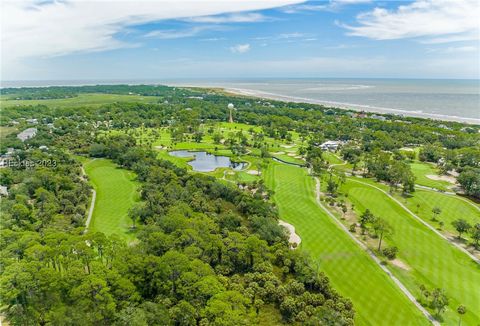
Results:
376 298
430 259
116 193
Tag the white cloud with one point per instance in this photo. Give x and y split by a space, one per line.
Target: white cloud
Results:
233 18
422 18
240 48
213 39
293 37
451 49
332 5
41 29
166 34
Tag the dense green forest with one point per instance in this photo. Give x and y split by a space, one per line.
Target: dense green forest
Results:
206 252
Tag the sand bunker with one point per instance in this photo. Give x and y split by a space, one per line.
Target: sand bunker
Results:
291 154
293 238
253 172
446 178
286 146
279 153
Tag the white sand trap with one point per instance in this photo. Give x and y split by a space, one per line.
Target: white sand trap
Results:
279 153
160 147
293 238
291 154
286 146
253 172
298 156
397 262
407 149
446 178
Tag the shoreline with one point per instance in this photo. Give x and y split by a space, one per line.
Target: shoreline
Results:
346 106
269 96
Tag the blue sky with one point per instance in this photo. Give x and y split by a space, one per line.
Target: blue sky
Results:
239 39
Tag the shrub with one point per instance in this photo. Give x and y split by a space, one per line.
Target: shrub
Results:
390 252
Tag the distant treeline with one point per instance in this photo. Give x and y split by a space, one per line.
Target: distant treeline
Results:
57 92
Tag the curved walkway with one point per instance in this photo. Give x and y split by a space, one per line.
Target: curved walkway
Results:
92 204
90 211
397 282
447 193
477 260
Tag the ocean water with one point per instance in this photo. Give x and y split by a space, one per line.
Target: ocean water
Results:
441 99
435 98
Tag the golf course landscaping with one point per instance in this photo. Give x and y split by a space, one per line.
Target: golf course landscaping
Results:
116 193
428 259
375 294
349 267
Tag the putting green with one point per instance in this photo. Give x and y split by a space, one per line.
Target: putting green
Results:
431 260
352 272
421 170
116 193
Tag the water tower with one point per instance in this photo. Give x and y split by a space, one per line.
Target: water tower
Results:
231 107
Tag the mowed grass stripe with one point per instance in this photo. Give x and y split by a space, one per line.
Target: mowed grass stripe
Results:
432 260
453 208
116 193
352 272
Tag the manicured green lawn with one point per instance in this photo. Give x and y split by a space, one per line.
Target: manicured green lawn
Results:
421 170
352 272
331 158
116 193
431 260
453 208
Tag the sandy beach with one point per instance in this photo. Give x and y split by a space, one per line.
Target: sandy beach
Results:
354 107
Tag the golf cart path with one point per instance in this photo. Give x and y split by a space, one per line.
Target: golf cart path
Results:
372 255
477 260
92 204
448 193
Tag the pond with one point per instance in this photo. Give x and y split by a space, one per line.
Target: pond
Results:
205 162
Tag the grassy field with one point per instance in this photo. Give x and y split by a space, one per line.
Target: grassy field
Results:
421 170
421 202
352 272
116 193
81 100
428 258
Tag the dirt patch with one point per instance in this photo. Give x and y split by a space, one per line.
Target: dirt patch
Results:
253 172
293 237
400 264
447 178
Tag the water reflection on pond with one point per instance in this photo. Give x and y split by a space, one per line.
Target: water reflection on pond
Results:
205 162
